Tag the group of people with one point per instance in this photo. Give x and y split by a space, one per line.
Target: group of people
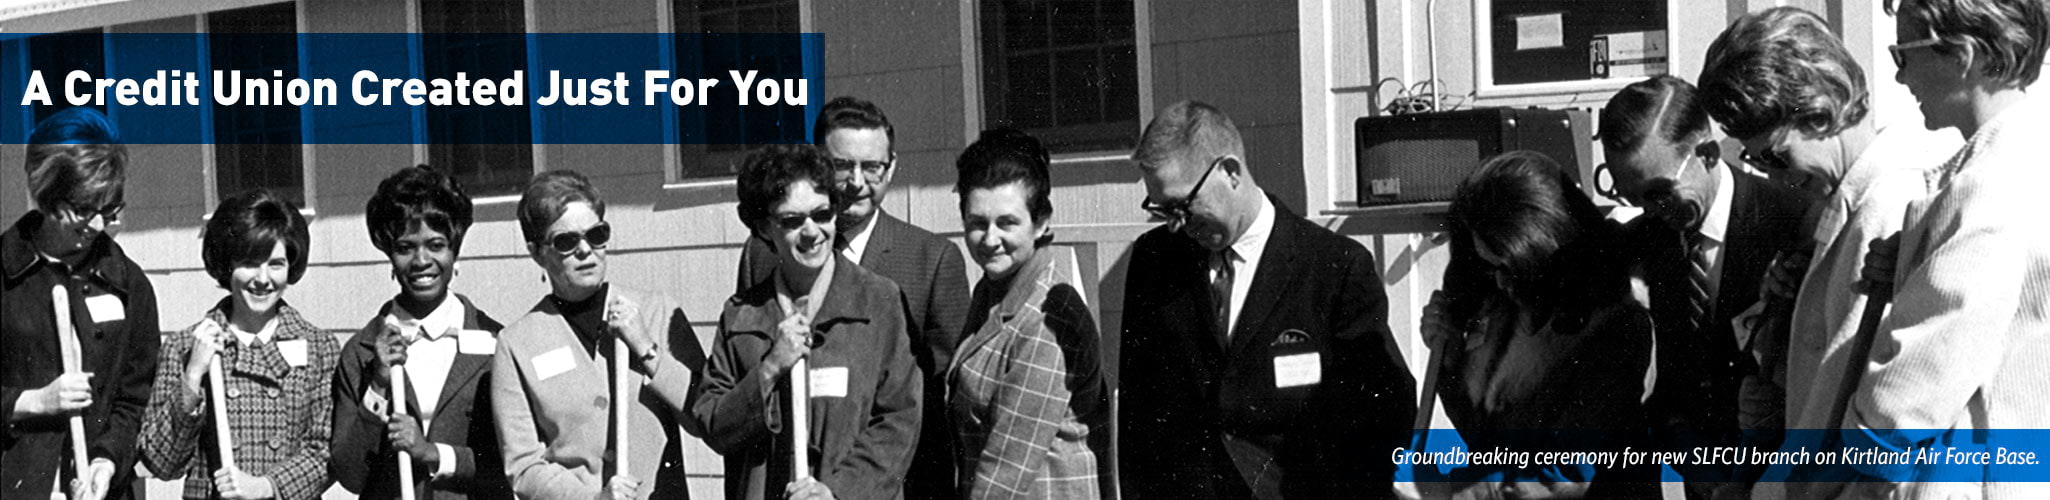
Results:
1259 358
1255 356
1752 311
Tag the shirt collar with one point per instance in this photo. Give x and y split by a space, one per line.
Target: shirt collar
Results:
1715 225
858 245
444 319
813 298
1253 242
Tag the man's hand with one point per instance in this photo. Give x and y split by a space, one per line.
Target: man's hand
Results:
404 433
237 485
1783 276
1438 330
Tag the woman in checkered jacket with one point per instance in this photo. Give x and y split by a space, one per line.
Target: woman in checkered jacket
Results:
278 367
1026 390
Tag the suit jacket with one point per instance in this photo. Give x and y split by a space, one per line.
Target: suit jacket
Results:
1962 352
120 353
1201 417
279 412
553 404
861 443
362 460
930 271
1700 372
1027 392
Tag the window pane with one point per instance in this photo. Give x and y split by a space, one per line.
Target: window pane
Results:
488 148
704 151
257 146
1063 70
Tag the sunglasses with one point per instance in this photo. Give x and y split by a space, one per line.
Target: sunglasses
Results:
111 211
793 222
871 168
1178 211
1900 61
568 241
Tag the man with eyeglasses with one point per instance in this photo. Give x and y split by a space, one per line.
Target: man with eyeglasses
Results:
1706 235
76 171
861 143
1256 357
1782 84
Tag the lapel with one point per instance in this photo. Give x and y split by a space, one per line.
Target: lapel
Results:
1028 286
1277 270
265 362
466 367
846 300
881 242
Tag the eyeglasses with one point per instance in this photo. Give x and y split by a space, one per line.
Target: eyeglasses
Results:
1177 212
1605 184
793 222
1896 49
1769 159
111 211
871 168
567 242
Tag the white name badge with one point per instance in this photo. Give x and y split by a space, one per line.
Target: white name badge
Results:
478 342
294 352
829 382
105 308
1298 370
375 402
552 363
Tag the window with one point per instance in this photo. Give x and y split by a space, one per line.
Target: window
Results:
1064 70
488 148
257 146
59 54
712 138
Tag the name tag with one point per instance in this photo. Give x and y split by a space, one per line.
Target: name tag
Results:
552 363
105 308
294 352
476 342
375 402
829 382
1298 370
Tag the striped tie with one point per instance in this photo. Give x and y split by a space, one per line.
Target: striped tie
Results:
1699 296
1220 291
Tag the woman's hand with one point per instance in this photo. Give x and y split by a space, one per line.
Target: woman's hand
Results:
622 487
1783 276
69 393
208 340
237 485
391 351
1877 276
1438 330
622 316
793 341
404 433
808 489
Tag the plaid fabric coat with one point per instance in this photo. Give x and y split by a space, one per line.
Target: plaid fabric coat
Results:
1027 390
280 413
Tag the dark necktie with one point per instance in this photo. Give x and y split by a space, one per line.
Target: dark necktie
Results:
1220 291
1699 299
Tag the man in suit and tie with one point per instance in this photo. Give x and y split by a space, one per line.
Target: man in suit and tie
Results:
1257 361
1708 233
862 145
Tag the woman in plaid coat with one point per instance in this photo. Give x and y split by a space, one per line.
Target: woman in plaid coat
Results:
278 367
1026 389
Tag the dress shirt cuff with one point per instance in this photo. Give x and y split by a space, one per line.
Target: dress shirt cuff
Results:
446 466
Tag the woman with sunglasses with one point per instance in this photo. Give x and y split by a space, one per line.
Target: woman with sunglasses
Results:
552 377
1026 391
1539 328
418 218
1964 344
1791 92
277 368
847 325
77 169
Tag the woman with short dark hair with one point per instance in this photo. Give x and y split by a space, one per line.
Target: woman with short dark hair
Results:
553 376
418 218
76 171
1544 339
1026 390
279 367
847 324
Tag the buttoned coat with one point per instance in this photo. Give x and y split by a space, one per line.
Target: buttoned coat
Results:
1200 413
280 413
553 404
121 353
930 271
361 459
861 443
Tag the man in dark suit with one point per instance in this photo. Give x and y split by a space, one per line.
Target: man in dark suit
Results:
930 270
1707 235
1257 361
